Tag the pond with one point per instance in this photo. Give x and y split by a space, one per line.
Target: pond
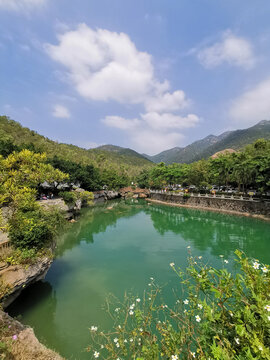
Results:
118 246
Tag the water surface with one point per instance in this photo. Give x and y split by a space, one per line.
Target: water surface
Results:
118 249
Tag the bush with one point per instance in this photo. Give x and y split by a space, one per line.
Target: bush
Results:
34 229
221 316
69 197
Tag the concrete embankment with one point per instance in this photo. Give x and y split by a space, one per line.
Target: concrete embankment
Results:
254 208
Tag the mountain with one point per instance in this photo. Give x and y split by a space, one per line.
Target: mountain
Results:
19 135
122 151
212 144
238 139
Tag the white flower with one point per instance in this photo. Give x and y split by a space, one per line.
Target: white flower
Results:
267 307
117 309
151 278
185 311
199 275
237 341
115 340
119 326
221 256
226 261
102 346
138 300
198 319
231 313
131 312
149 299
174 357
188 247
256 265
131 340
186 301
200 257
141 329
93 328
117 345
149 284
172 265
260 348
193 354
264 269
96 354
125 341
200 306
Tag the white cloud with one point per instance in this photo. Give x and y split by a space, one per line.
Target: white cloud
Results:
21 5
121 123
232 49
169 121
153 142
61 111
167 102
253 105
153 132
105 65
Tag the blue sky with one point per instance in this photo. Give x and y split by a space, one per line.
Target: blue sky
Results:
144 74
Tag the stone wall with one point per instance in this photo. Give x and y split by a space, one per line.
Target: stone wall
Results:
252 207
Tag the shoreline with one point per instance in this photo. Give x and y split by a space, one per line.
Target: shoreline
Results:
230 212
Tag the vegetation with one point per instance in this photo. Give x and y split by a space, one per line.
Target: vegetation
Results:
29 225
126 164
70 197
249 168
219 315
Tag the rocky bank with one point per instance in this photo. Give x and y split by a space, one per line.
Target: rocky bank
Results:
21 342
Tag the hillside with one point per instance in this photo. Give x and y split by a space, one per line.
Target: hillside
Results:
238 139
122 151
212 144
188 153
19 135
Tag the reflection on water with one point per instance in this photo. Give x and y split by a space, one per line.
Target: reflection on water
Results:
118 249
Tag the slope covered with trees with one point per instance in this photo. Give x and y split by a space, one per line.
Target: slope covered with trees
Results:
14 134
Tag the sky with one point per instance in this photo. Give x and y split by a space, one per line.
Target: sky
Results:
146 74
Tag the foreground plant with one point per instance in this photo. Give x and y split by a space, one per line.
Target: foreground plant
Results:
221 316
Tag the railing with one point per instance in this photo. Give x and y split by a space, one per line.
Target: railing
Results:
5 245
211 196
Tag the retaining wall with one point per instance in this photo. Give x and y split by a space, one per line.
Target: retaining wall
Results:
253 207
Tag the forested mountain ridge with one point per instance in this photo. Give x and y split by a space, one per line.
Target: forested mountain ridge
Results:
212 144
121 151
14 132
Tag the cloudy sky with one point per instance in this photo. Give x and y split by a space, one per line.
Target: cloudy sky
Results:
144 74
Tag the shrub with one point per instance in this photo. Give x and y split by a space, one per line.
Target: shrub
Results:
69 197
220 316
34 229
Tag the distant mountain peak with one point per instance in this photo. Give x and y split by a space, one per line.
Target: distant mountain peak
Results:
213 144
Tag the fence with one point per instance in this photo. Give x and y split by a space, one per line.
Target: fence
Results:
211 196
4 245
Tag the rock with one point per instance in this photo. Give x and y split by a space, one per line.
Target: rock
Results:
112 194
26 346
17 277
54 202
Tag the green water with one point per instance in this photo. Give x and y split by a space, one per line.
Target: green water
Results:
113 250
